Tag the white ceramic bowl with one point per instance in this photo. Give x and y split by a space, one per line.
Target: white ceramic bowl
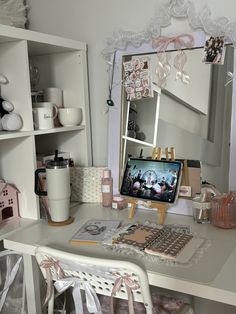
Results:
70 116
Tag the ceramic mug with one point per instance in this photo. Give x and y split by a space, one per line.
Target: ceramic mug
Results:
70 116
43 115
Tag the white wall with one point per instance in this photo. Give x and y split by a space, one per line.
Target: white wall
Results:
94 21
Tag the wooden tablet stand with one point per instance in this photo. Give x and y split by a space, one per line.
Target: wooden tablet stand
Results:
161 209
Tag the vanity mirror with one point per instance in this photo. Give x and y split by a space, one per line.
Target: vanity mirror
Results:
196 132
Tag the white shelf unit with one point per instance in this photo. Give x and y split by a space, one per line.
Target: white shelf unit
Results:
62 63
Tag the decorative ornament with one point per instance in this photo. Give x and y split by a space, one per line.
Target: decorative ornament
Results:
110 102
219 26
163 69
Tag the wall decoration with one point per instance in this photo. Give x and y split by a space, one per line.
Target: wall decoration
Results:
220 26
13 13
137 78
214 50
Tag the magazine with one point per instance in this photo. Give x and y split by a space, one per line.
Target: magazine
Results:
94 231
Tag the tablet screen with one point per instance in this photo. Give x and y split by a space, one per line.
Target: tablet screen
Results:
156 180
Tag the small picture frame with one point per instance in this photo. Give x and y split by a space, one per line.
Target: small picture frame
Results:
214 50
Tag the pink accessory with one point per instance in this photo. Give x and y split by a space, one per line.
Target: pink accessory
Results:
164 67
49 264
63 283
119 202
129 284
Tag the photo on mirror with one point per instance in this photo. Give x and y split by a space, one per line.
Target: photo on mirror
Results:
214 50
137 78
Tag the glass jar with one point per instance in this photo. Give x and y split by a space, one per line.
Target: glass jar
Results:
201 211
119 202
224 211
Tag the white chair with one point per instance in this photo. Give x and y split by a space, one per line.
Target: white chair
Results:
97 277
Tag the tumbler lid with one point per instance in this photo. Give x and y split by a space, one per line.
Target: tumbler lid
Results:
57 162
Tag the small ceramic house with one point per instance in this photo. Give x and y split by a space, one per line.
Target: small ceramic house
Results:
8 202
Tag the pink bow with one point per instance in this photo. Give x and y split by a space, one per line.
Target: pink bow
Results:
179 42
50 264
130 285
164 67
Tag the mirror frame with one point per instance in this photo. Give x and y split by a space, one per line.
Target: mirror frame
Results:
115 112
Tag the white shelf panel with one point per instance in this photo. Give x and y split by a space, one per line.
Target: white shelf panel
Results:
5 135
40 43
59 129
14 225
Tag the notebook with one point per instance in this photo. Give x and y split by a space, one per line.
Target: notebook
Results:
94 231
162 242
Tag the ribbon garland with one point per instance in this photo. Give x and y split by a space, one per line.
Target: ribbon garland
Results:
163 68
130 285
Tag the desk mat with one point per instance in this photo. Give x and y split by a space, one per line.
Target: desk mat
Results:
190 254
203 267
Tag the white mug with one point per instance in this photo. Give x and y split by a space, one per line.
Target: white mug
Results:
43 115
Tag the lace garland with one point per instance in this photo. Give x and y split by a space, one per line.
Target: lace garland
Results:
219 26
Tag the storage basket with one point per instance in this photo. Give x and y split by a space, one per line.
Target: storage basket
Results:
86 184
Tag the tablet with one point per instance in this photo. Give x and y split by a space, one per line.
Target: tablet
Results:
155 180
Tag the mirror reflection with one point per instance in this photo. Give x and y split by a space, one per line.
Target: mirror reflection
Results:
194 118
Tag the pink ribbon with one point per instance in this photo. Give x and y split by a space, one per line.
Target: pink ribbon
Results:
179 42
129 284
163 69
50 264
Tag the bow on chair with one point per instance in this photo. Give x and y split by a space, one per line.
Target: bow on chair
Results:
92 302
50 264
163 69
130 285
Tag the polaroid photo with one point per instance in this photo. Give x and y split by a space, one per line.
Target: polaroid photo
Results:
214 50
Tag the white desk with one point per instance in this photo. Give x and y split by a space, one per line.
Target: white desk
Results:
213 277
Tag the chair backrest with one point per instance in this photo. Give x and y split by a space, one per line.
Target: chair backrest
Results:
102 274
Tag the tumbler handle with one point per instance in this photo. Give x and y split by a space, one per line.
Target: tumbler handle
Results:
37 180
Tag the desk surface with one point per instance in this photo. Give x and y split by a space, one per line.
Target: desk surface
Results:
212 277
